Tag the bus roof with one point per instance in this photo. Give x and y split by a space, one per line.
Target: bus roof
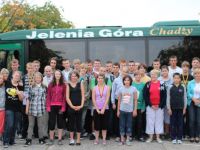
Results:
167 28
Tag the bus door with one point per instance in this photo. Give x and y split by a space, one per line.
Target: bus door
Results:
9 52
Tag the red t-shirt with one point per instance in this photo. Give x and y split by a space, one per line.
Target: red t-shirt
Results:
155 93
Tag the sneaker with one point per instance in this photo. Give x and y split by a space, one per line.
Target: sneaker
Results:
42 141
141 139
72 142
179 141
149 140
96 142
128 143
104 142
51 142
28 142
92 136
117 139
5 145
85 134
19 136
60 142
174 141
121 143
159 140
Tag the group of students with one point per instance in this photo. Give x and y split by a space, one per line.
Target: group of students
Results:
119 99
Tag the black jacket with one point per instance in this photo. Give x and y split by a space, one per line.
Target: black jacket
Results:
163 94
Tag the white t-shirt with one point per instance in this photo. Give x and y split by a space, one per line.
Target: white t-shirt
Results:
197 91
176 70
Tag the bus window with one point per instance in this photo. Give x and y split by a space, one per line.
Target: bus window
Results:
114 50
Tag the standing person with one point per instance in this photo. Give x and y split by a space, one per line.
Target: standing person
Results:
127 108
143 69
115 69
28 81
122 64
96 66
5 74
84 78
2 105
195 64
156 65
76 64
185 78
176 105
173 68
167 80
193 94
48 76
75 100
117 84
36 65
66 64
109 69
140 106
14 67
131 68
100 99
53 63
13 107
155 98
56 105
35 108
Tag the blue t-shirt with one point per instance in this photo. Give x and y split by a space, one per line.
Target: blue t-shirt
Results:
127 98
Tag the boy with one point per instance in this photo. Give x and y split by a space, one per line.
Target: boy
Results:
176 104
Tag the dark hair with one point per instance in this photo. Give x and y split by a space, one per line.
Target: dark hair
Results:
164 67
131 61
116 64
177 74
73 72
156 60
142 66
173 57
130 79
98 60
65 59
61 81
101 75
89 61
109 62
53 58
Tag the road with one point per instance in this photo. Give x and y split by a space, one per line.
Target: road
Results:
111 144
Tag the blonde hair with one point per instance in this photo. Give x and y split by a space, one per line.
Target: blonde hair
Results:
154 71
196 70
84 66
4 71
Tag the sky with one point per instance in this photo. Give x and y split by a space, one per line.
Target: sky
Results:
126 13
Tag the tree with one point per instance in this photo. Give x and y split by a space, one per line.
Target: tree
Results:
19 15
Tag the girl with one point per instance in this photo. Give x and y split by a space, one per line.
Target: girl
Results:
127 108
2 105
155 98
56 105
167 80
75 100
100 98
140 106
35 108
13 107
193 94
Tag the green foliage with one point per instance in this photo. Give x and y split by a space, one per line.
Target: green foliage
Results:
19 15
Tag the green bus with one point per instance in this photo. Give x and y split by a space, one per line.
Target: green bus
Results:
141 44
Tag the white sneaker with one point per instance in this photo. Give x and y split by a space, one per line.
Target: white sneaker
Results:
159 140
179 142
174 141
72 142
149 140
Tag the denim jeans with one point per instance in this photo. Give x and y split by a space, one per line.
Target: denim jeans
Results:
10 126
125 123
194 120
